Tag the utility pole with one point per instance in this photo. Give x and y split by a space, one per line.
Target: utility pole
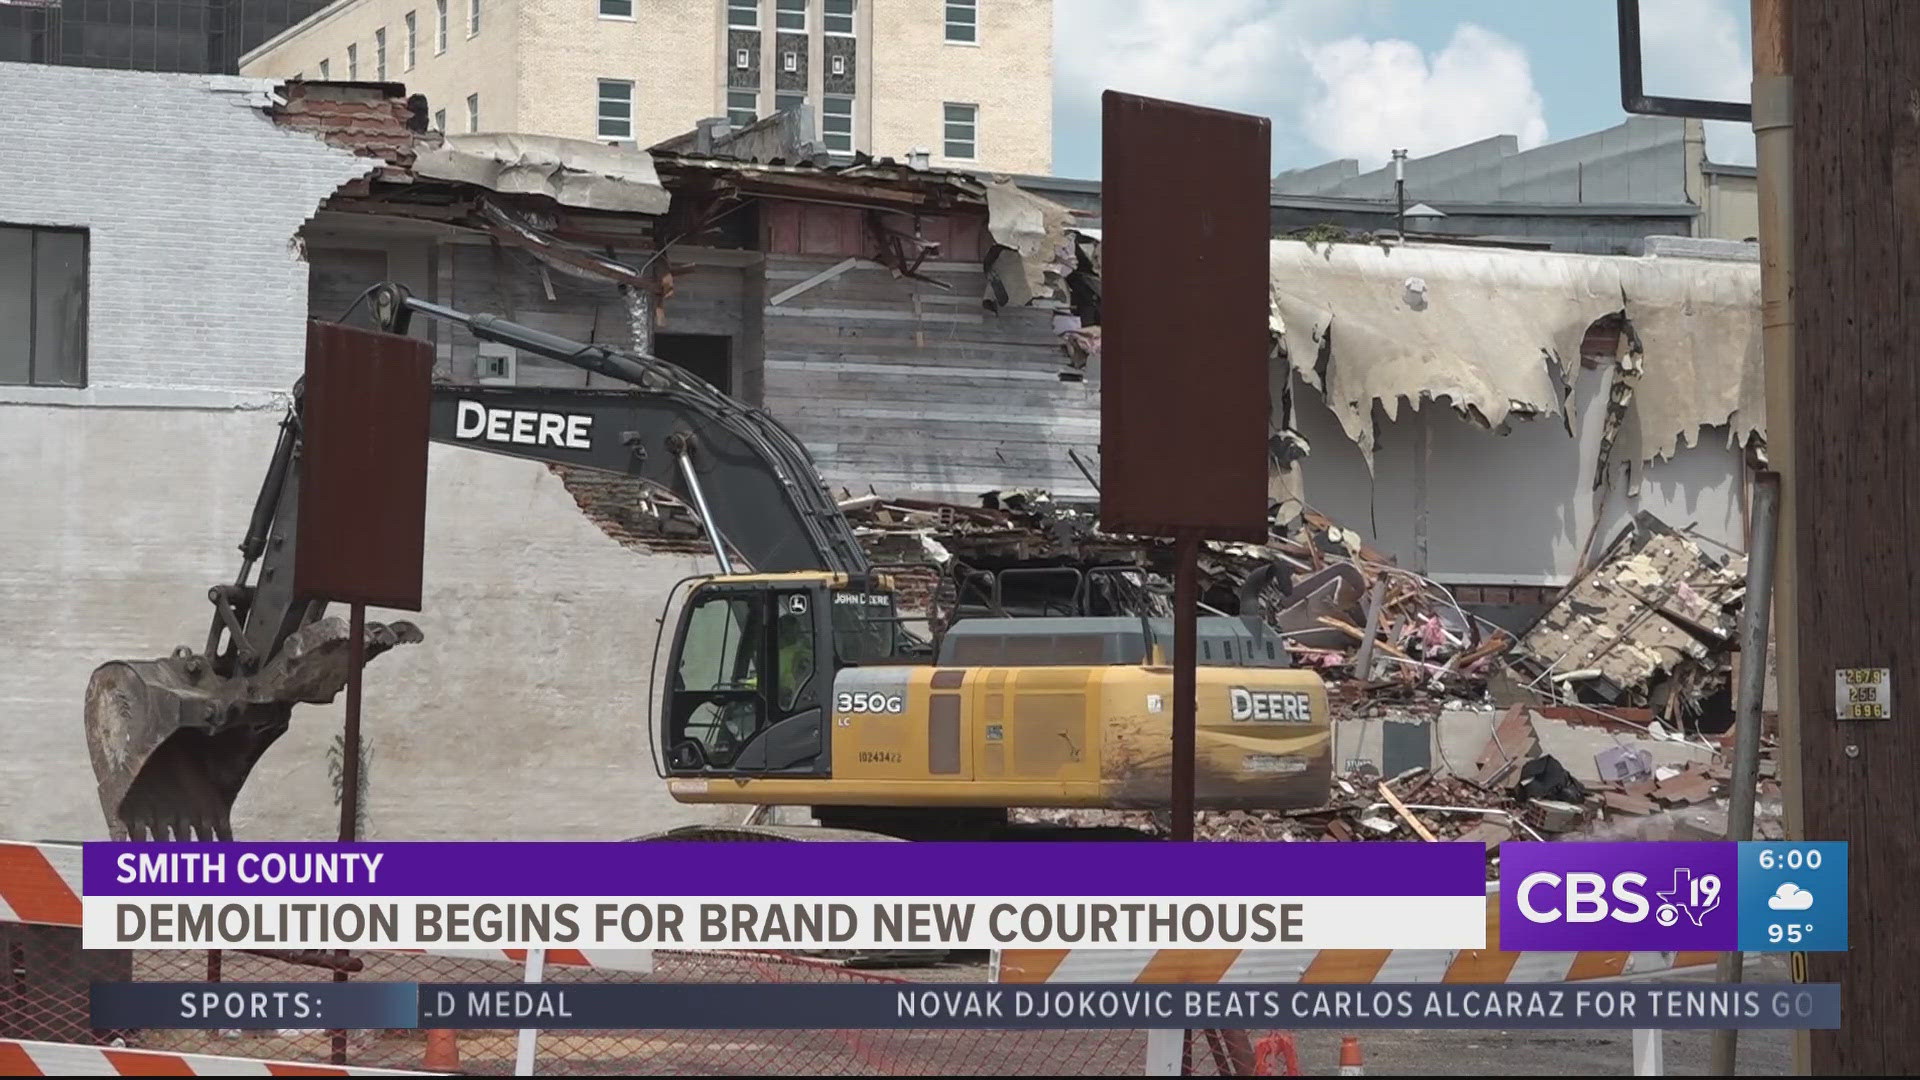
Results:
1855 462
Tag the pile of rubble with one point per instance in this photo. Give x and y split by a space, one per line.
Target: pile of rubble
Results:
1513 791
1652 625
1323 587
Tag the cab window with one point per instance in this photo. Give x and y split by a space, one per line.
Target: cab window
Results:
793 652
864 627
716 704
721 650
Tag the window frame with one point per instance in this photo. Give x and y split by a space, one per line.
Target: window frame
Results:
34 233
852 16
440 19
601 7
326 70
732 108
780 11
380 54
353 62
412 23
789 95
599 112
734 6
973 124
440 121
473 19
473 113
947 24
827 115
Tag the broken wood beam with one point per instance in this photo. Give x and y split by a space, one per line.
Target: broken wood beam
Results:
1406 815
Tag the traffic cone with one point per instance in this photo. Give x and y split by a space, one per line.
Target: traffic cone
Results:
1351 1063
443 1051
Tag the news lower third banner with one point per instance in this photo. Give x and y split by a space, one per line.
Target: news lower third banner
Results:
791 1006
1564 896
783 896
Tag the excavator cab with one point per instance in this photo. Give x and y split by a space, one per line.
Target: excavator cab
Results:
752 670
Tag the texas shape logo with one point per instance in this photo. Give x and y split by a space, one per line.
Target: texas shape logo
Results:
1693 898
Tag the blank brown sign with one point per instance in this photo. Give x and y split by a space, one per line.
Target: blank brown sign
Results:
363 467
1183 365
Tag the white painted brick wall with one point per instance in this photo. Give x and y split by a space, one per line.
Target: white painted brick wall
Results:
192 198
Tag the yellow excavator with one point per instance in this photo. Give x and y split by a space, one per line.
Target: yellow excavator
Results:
790 679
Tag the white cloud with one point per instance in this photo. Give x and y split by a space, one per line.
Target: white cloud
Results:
1701 49
1245 55
1375 96
1224 53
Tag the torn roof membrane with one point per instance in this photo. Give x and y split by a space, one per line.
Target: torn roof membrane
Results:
1497 333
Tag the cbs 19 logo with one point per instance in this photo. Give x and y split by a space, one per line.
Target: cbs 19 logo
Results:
1582 896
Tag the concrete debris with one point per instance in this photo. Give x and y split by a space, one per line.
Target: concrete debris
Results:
1653 623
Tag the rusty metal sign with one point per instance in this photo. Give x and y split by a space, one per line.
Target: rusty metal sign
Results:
363 467
1183 378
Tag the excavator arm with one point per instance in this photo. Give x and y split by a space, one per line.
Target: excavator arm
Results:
173 740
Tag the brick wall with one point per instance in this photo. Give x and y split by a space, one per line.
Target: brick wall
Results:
192 198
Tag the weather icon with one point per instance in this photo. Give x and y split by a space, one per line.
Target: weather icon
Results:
1790 897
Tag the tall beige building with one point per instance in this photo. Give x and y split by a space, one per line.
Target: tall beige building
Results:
968 81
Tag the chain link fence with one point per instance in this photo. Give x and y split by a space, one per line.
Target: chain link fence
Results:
45 998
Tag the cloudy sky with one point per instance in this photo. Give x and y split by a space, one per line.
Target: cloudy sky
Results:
1356 78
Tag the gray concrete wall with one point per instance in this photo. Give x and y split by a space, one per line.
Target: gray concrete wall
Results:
522 715
1506 509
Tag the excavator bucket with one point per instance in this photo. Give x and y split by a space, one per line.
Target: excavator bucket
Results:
172 740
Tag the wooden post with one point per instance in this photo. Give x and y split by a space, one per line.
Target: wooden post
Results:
1856 463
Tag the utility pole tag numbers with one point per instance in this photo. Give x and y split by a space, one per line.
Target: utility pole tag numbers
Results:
1863 694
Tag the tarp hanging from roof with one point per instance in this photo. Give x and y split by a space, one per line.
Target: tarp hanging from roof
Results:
1496 332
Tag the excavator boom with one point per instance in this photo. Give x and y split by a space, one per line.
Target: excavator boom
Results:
173 739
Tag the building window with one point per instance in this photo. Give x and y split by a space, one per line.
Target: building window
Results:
743 14
440 121
790 15
439 27
473 112
353 63
788 102
616 9
962 122
840 17
326 70
380 54
413 39
963 22
473 17
616 109
743 107
836 123
43 305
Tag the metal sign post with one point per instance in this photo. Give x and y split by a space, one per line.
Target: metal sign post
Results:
1184 402
361 534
